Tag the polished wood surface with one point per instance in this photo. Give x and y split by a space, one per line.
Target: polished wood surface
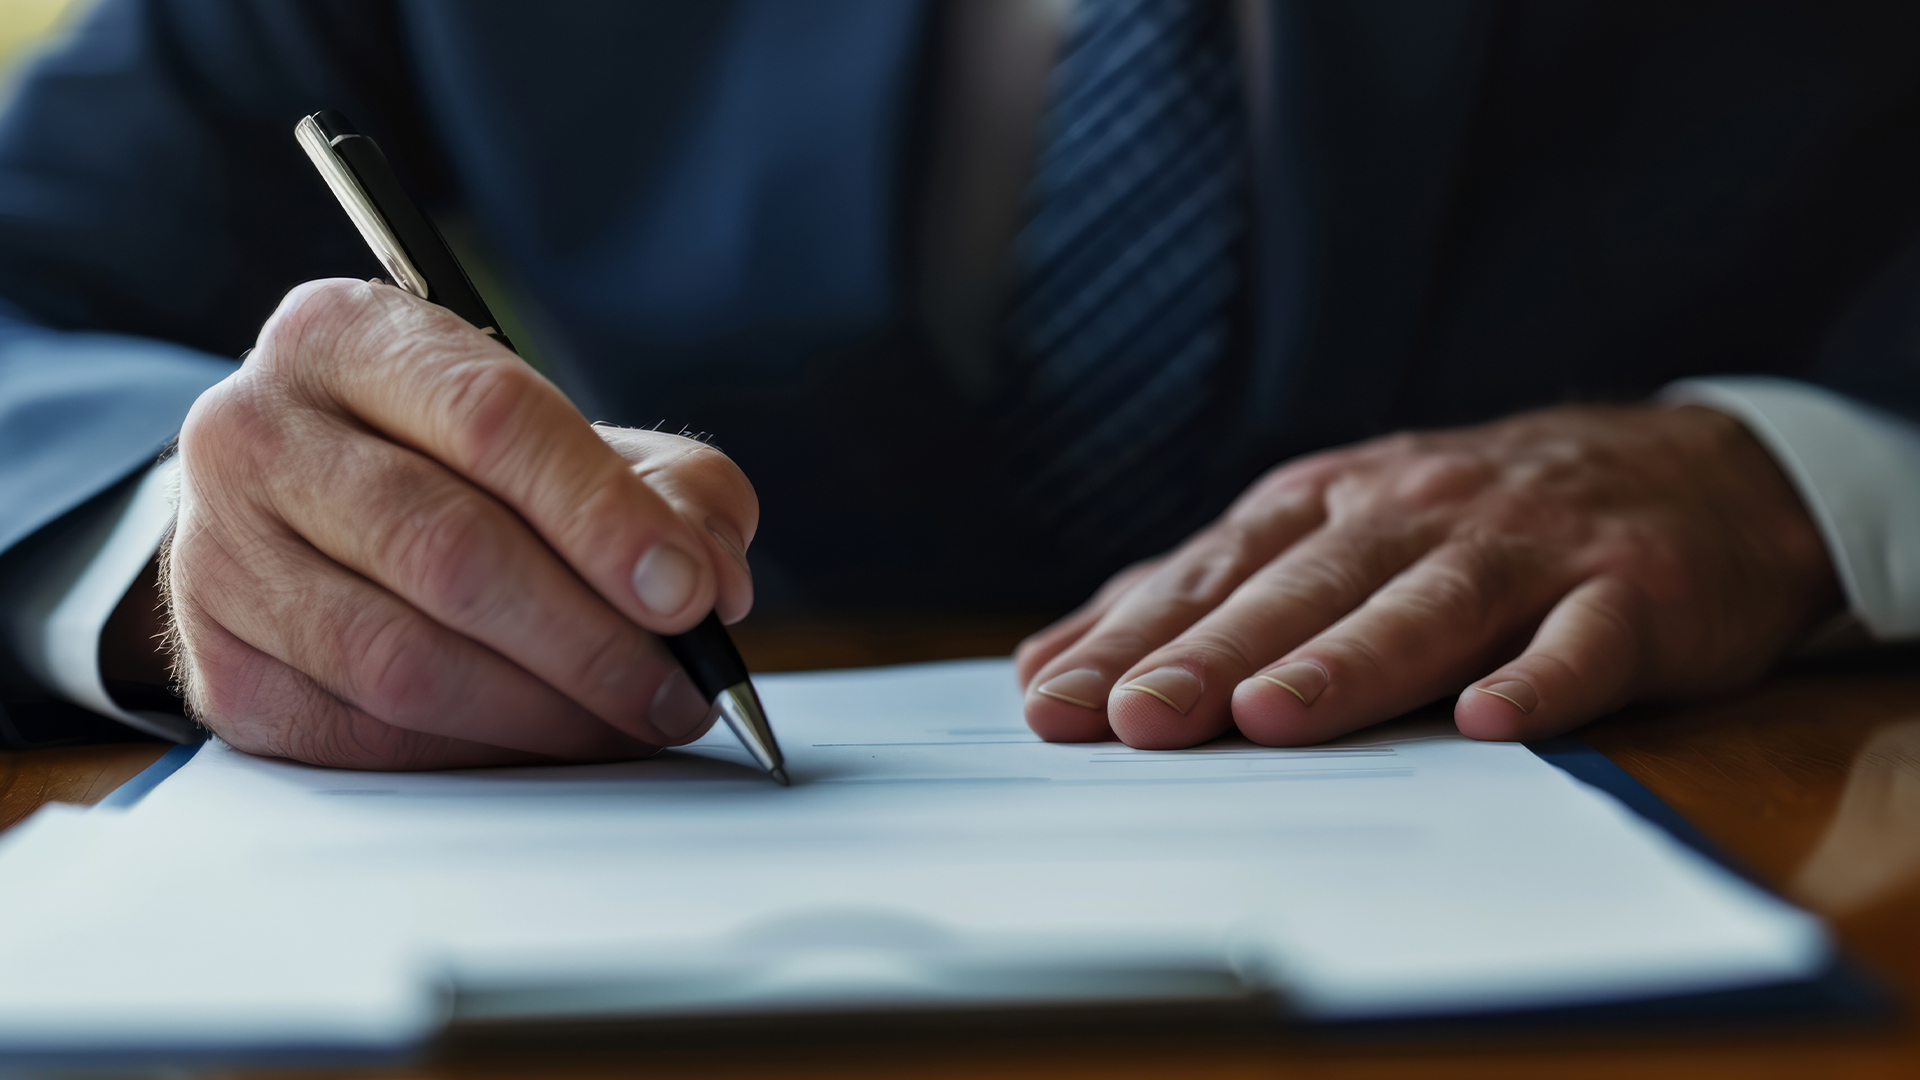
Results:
1811 779
78 774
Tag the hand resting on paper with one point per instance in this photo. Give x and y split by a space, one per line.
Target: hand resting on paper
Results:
398 546
1556 565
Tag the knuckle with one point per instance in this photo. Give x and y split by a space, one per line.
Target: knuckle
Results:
233 421
699 471
1115 647
206 563
311 314
405 675
598 515
1618 614
1390 448
1207 571
1660 563
449 558
1346 578
1218 650
610 664
1350 661
1446 598
1038 649
191 553
1337 578
481 400
1483 571
725 484
1439 479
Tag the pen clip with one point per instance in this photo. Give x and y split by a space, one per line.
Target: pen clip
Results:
359 207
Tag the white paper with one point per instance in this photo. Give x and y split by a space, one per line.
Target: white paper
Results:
931 851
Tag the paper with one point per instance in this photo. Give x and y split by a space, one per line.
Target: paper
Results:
931 851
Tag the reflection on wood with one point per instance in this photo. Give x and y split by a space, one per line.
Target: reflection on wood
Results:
1872 846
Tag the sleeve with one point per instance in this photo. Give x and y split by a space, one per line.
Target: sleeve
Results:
60 594
1857 468
154 207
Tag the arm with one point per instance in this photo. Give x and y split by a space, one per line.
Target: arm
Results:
143 236
396 545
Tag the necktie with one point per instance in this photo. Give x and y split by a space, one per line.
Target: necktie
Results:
1127 271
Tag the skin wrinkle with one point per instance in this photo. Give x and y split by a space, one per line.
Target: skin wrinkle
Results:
343 320
425 503
242 694
449 554
240 562
669 463
400 686
1495 529
337 366
483 405
1207 574
1226 652
605 666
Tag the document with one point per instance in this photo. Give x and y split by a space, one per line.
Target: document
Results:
930 853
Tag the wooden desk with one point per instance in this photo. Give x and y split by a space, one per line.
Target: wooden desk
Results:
1811 779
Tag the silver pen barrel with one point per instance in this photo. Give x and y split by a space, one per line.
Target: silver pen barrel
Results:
740 707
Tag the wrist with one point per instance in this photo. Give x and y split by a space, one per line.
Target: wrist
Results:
1775 516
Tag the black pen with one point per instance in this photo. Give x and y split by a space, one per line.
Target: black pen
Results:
412 250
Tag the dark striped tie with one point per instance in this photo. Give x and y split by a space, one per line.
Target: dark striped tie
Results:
1127 272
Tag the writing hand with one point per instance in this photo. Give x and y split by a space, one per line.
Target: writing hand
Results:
1557 565
398 546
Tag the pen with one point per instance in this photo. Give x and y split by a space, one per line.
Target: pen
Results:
412 250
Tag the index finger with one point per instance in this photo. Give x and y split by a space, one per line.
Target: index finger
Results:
422 377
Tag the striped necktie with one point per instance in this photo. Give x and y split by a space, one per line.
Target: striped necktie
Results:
1127 272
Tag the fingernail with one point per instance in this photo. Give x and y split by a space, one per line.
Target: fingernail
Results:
678 708
1301 679
1084 687
663 579
1515 692
1178 687
729 542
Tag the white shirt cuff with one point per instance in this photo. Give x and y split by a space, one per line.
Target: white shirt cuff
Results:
55 632
1857 469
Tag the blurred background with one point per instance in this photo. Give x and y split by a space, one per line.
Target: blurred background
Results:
25 24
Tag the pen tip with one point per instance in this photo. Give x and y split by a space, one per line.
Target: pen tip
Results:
780 776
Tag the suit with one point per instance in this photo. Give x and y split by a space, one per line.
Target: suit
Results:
1464 209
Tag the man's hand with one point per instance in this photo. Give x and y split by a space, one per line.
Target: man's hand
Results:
399 547
1564 562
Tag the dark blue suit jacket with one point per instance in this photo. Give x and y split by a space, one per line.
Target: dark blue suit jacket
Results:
1465 208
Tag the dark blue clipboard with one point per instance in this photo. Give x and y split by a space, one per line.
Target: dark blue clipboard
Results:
1843 995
